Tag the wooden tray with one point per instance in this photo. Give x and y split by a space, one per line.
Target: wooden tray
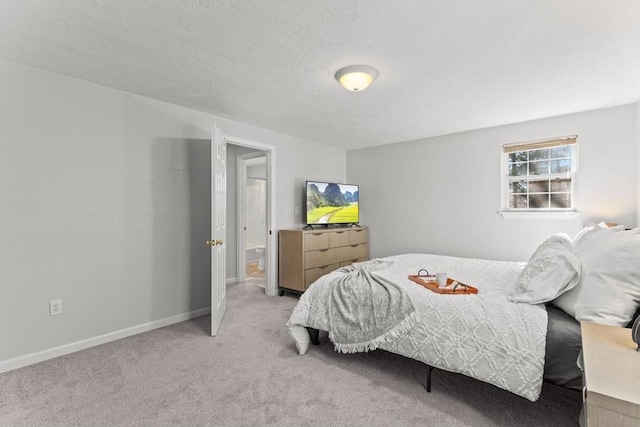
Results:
429 282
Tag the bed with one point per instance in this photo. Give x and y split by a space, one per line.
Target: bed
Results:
522 328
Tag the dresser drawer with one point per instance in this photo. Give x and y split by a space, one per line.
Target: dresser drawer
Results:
314 274
354 252
339 238
315 241
346 263
322 257
358 236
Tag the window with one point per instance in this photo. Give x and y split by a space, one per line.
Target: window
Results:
540 176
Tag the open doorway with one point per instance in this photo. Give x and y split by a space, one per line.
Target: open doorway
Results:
254 214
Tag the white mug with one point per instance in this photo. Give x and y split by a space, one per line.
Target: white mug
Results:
441 279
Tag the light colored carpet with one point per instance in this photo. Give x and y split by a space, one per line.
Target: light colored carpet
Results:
251 374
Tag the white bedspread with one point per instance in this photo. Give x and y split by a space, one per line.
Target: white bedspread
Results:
484 336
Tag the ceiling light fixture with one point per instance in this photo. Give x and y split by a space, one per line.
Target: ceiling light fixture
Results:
356 77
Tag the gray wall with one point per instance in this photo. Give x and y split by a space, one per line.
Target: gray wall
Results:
104 203
441 195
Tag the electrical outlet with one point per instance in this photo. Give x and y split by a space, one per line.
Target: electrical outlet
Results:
55 307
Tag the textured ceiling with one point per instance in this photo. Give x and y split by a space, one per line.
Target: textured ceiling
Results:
444 66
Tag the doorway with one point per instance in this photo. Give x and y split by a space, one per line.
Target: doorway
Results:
252 215
255 239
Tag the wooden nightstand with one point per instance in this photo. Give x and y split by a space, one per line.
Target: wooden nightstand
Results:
612 376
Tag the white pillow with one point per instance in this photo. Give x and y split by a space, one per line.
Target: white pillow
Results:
300 337
552 270
601 224
609 287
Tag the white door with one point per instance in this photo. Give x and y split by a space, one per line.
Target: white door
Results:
218 227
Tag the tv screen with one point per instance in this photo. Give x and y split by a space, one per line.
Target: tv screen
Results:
331 203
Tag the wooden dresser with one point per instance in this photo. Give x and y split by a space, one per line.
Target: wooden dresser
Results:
305 255
612 376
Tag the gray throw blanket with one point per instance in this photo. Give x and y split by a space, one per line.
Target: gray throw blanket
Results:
367 310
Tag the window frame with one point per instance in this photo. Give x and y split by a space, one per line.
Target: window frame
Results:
507 180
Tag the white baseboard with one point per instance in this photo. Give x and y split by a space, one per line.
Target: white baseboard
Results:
40 356
231 280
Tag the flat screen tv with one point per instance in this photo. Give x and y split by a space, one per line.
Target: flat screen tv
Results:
331 203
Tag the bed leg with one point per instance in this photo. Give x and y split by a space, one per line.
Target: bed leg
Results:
314 334
429 369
